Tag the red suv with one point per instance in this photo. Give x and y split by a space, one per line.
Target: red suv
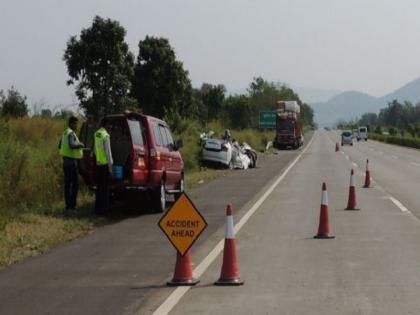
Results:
146 158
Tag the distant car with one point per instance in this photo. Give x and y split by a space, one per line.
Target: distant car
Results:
355 133
346 137
362 134
217 151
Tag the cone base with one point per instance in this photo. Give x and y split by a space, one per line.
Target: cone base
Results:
367 186
227 282
352 209
189 282
326 237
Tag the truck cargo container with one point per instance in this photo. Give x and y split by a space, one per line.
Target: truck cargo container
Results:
288 126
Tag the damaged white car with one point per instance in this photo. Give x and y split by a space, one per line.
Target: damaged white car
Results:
227 152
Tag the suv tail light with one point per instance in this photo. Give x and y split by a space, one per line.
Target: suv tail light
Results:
138 161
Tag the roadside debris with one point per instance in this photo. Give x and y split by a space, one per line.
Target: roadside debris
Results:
227 151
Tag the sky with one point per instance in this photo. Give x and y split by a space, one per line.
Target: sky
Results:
370 46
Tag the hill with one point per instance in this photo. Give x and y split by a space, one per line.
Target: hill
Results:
353 104
409 92
314 95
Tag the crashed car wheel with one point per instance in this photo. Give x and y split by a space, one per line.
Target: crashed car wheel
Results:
254 160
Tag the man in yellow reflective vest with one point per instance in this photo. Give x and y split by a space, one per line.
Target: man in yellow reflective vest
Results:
103 169
70 149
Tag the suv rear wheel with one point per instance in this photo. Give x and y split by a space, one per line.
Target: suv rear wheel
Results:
159 198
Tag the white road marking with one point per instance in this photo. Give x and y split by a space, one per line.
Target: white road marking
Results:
347 157
179 292
399 204
394 156
414 163
355 165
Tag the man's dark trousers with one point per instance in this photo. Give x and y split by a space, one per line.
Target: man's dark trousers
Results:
71 185
102 189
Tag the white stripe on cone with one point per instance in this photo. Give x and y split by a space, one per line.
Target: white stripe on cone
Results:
324 199
352 181
230 232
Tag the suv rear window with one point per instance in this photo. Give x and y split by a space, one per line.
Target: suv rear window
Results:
165 141
362 130
169 136
346 134
117 128
135 130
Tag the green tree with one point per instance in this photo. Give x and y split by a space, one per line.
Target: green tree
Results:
160 82
14 105
307 115
2 98
101 66
64 114
46 113
368 119
238 112
378 130
210 101
393 131
264 95
411 129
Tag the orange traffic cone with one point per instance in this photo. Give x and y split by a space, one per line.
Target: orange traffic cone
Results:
351 204
337 147
367 176
183 271
324 225
230 271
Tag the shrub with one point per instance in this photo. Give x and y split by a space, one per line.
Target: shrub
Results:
30 167
398 140
378 130
392 131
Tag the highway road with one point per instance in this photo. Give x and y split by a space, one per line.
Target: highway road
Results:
371 267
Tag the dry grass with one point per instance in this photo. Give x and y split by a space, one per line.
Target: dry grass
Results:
197 178
33 234
31 204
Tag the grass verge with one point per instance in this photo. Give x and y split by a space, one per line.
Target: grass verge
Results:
405 141
31 206
34 232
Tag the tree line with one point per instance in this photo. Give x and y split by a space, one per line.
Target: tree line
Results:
109 79
397 117
13 104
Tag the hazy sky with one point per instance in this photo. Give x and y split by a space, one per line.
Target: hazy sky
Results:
368 45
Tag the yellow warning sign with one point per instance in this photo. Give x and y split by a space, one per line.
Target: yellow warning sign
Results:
182 224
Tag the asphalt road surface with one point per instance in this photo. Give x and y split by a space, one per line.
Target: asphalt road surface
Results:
123 268
371 267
